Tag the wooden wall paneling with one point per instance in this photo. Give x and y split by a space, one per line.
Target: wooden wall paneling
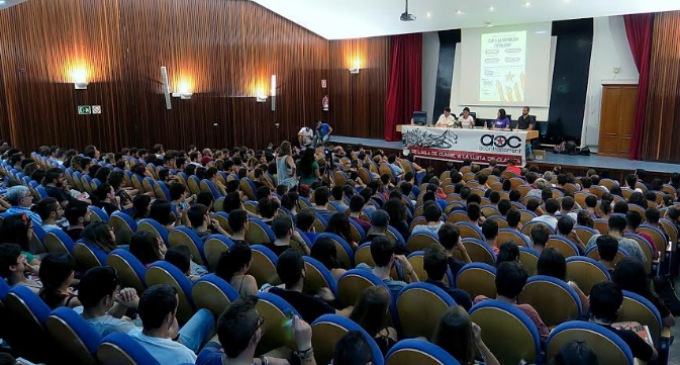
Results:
224 49
662 121
357 101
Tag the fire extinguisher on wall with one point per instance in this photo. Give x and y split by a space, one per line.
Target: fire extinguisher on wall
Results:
325 103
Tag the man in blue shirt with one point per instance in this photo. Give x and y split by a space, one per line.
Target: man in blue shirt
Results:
323 132
21 200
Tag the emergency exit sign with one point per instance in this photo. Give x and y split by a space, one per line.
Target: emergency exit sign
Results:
84 110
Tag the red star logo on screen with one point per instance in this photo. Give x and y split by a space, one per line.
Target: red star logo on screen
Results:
509 77
500 141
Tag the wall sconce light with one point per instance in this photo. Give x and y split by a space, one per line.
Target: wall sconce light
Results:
80 78
260 96
272 92
184 91
357 67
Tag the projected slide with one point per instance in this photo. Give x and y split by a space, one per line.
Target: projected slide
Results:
503 67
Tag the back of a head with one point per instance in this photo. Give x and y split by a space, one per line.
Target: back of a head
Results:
9 256
621 207
454 334
576 353
305 219
282 226
568 203
267 207
380 219
55 268
96 284
356 204
546 194
144 246
46 207
565 225
352 349
533 204
513 217
324 251
510 279
494 197
155 304
238 220
607 247
490 229
382 250
552 206
180 257
630 275
233 260
508 251
321 196
289 267
605 300
652 215
449 235
473 198
504 206
552 263
161 212
617 223
591 201
633 219
435 262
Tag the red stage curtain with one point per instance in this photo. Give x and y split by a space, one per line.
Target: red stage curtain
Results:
640 28
404 95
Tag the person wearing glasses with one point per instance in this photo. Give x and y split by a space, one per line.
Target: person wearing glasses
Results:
21 200
160 334
239 331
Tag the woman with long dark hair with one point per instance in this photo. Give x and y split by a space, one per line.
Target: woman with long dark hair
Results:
324 251
396 209
370 312
100 235
308 168
552 263
56 274
339 224
461 338
18 228
141 207
630 275
233 266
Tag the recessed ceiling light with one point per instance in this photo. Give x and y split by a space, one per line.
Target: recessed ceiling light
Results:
490 7
458 12
527 4
429 15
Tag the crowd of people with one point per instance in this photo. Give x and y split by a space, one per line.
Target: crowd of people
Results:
347 189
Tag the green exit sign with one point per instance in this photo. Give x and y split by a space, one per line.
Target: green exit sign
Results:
84 110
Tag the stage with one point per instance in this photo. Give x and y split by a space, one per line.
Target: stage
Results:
577 162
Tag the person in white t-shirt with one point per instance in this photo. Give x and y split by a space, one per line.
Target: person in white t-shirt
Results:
161 336
447 119
305 136
466 120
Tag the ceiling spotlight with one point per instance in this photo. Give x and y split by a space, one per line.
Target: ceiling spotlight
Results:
527 4
429 15
458 12
491 8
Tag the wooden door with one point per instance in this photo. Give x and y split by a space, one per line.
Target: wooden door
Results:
616 119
